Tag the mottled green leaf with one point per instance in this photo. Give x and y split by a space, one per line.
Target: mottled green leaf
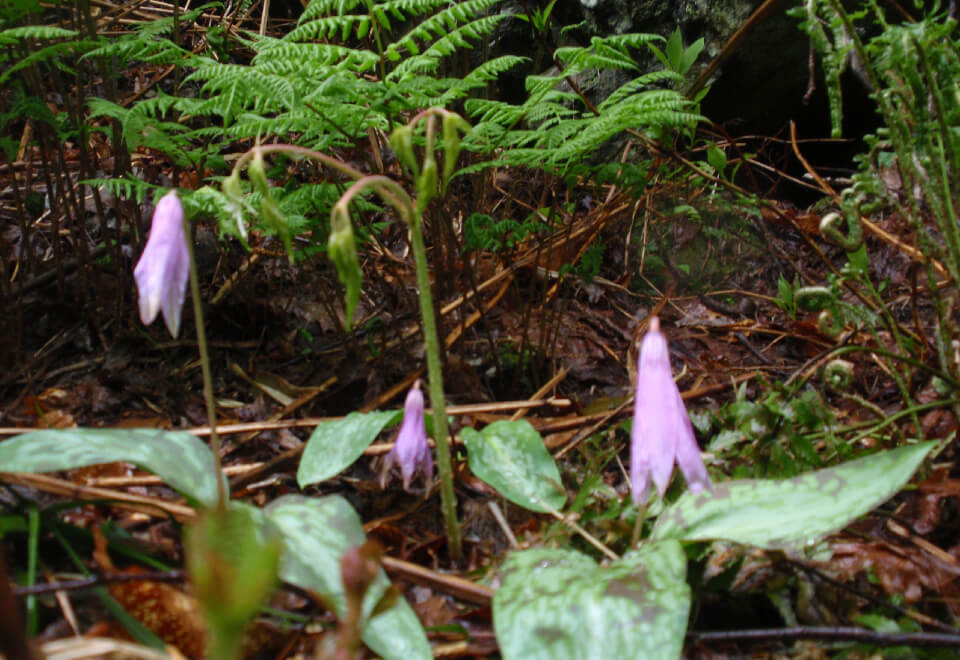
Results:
557 604
316 532
510 456
179 458
791 513
335 445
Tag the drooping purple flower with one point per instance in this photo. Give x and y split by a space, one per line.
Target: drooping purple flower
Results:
162 271
410 451
662 434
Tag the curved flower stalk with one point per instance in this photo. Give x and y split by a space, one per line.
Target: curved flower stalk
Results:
410 452
662 434
429 181
161 274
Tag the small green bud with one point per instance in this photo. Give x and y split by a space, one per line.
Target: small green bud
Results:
234 193
231 186
427 182
451 146
342 250
258 173
401 141
275 219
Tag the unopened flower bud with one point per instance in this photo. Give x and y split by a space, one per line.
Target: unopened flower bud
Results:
161 274
411 451
662 434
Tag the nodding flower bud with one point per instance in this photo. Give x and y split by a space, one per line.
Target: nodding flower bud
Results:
161 274
234 194
342 250
257 172
662 434
401 140
411 451
451 145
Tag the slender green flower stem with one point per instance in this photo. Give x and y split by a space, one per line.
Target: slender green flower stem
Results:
398 198
638 525
448 501
205 367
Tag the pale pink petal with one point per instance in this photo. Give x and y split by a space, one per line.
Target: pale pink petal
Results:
689 458
410 451
161 274
662 433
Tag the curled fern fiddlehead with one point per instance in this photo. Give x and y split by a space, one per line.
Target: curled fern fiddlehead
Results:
838 374
821 298
851 201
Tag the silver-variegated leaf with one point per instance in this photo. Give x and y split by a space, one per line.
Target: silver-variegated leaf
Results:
510 456
335 445
791 513
558 604
179 458
316 532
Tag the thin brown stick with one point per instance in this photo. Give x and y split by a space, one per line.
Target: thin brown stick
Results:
834 634
139 503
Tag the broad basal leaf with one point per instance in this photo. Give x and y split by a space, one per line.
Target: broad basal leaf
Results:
335 445
510 456
179 458
558 604
316 533
791 512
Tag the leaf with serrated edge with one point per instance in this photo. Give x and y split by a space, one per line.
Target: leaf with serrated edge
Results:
335 445
179 458
556 604
510 456
791 513
316 532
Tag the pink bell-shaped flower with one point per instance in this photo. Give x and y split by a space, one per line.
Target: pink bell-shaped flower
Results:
164 266
662 434
410 451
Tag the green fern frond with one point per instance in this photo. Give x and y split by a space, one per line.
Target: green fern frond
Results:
318 8
451 42
546 111
330 27
126 187
409 8
552 129
284 58
637 85
212 202
162 26
494 111
58 54
600 55
439 25
491 70
153 51
15 35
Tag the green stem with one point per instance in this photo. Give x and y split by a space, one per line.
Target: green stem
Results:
448 501
638 525
205 367
302 152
